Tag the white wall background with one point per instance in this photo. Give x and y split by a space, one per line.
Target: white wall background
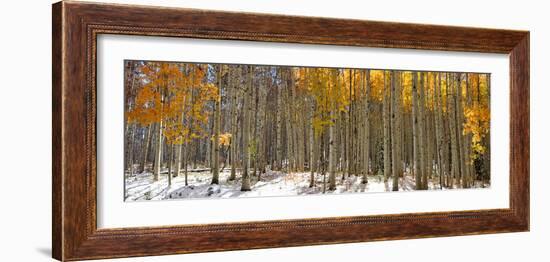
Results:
25 132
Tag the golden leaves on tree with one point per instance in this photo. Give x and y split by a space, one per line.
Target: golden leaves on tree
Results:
174 96
178 97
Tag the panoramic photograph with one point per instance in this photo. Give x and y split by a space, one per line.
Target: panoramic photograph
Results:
207 130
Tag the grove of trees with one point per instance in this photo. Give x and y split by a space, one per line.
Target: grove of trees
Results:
329 123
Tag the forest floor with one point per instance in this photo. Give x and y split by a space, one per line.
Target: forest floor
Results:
273 183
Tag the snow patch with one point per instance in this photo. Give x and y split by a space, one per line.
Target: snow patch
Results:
273 183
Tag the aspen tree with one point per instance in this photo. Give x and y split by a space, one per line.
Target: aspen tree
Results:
394 93
441 167
331 145
455 163
416 130
234 113
367 137
387 134
217 122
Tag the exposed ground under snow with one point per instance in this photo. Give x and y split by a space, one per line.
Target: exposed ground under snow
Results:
273 183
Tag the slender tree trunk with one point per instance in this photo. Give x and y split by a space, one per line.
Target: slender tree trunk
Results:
256 142
188 146
467 139
177 159
460 136
312 145
422 132
130 160
439 131
247 99
429 133
463 138
349 135
395 130
129 138
234 146
289 159
145 151
447 132
190 143
217 122
452 129
322 161
366 149
279 138
400 125
387 134
342 142
158 152
331 145
209 140
416 130
170 156
332 159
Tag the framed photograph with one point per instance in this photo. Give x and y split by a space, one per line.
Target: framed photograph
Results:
181 130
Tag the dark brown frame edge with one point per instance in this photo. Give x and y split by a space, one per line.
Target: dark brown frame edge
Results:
75 29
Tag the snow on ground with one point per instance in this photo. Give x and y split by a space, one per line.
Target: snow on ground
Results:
273 183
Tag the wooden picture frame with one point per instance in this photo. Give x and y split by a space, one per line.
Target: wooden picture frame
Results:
76 26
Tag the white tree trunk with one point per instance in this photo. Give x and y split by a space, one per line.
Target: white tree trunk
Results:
247 99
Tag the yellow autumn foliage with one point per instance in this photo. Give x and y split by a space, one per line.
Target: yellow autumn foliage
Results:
175 96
